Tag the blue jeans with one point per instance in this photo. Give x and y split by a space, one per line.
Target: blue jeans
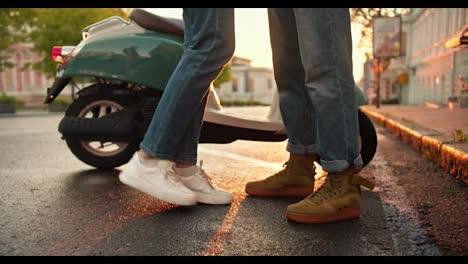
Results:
209 45
312 58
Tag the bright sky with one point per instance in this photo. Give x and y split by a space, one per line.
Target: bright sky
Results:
253 37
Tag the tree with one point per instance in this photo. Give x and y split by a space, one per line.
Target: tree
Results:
364 16
12 30
62 27
223 77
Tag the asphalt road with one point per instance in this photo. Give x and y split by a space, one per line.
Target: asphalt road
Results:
53 204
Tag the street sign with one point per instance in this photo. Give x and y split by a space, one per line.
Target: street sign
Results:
386 40
386 37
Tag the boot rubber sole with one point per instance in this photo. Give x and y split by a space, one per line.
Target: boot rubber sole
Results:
345 214
289 191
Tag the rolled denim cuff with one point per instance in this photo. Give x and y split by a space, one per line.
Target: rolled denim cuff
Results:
302 149
341 165
172 157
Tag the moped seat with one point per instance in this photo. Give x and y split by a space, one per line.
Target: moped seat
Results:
154 22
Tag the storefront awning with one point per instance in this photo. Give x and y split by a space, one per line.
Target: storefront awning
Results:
458 39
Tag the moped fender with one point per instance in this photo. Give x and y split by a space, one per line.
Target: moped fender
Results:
147 59
56 89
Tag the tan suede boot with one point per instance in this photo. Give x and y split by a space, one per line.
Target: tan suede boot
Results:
296 179
339 198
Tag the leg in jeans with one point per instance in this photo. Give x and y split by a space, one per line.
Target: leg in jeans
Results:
295 104
189 146
326 52
175 128
297 176
326 49
209 45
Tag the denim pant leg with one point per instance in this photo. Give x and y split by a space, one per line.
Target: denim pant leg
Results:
295 104
326 52
189 144
209 46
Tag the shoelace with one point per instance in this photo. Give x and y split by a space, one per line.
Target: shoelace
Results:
171 175
284 170
205 175
331 183
279 173
324 188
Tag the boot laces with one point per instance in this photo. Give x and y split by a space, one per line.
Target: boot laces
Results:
290 163
326 190
284 171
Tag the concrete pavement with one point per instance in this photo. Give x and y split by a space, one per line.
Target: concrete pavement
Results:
430 131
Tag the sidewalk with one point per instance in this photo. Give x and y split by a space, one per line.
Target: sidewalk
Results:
31 113
429 131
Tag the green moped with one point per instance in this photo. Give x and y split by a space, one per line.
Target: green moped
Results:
129 64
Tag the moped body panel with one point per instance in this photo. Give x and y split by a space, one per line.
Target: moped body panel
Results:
147 58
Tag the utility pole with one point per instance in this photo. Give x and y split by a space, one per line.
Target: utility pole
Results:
377 83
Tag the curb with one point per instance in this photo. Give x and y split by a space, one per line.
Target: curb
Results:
452 160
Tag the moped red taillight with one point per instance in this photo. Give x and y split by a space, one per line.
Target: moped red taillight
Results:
61 53
56 53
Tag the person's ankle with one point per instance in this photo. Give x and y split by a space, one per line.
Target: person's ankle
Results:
184 165
306 157
147 160
186 169
144 155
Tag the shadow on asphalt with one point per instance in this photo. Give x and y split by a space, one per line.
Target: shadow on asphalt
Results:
127 222
180 231
93 180
84 177
261 222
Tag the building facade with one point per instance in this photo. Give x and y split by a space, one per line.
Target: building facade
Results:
21 81
248 83
433 61
433 64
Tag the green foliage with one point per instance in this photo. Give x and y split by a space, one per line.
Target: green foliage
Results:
364 16
59 104
62 27
459 136
13 28
45 28
224 76
62 101
7 99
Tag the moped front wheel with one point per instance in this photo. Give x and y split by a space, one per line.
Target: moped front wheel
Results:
99 154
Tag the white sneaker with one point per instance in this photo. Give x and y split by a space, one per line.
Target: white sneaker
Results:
205 190
158 180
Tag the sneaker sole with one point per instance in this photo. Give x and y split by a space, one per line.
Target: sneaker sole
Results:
319 219
206 199
290 191
143 187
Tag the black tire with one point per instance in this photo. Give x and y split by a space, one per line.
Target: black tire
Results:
75 144
368 138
